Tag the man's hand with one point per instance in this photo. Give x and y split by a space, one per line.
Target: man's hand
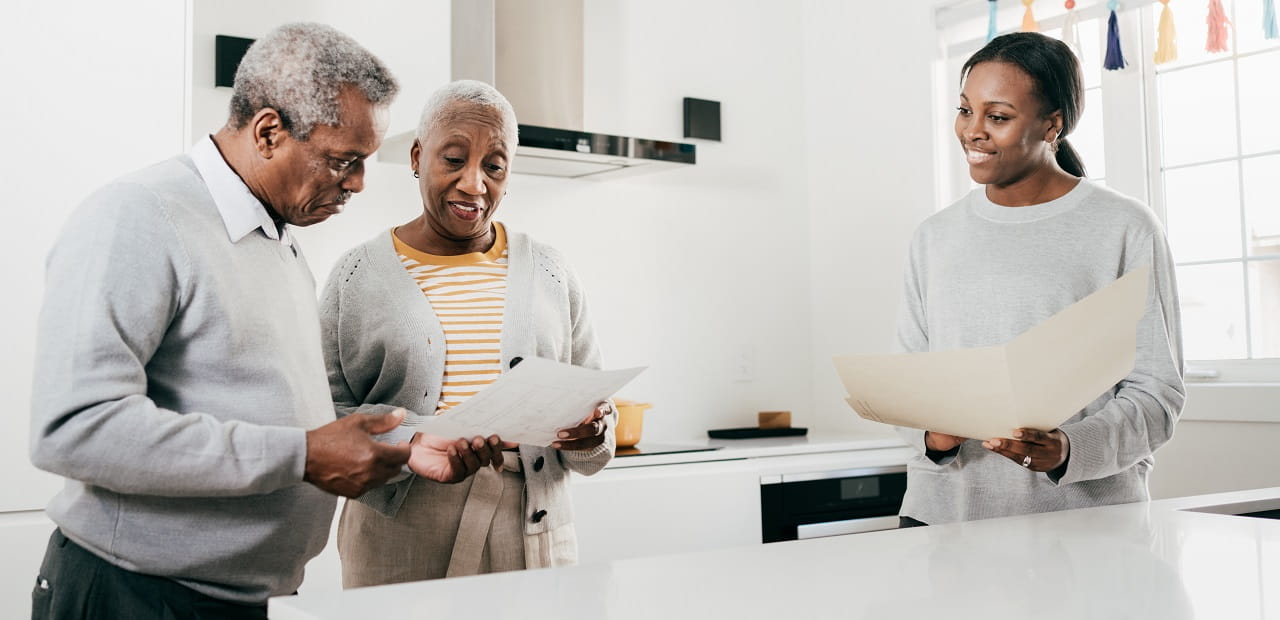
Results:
344 460
454 460
588 434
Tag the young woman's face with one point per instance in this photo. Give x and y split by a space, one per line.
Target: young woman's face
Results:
1002 126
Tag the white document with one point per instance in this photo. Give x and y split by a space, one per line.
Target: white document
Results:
529 403
1038 380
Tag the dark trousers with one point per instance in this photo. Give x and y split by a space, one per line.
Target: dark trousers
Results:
76 584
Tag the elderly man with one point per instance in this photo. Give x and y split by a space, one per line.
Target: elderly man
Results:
179 381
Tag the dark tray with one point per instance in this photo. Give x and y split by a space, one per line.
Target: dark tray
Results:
751 432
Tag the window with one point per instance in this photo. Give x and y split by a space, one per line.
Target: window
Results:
1205 155
1215 159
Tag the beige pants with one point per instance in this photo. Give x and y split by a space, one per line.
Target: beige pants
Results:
421 541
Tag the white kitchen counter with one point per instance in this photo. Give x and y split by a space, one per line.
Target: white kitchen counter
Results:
1149 560
731 449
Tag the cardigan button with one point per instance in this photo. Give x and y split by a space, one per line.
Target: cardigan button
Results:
515 360
537 464
537 516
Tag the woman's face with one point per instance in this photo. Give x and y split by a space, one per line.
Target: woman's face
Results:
462 170
1001 125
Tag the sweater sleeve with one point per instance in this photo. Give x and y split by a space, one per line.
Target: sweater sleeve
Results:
116 279
345 400
913 337
1140 417
585 351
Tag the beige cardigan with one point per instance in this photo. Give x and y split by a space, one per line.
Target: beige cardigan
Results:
384 348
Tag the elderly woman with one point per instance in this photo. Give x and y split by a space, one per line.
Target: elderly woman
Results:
425 315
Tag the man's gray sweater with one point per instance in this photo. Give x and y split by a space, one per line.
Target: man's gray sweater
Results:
176 374
980 274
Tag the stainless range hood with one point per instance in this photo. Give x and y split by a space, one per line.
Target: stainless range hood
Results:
533 53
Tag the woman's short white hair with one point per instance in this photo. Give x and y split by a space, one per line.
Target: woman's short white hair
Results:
468 92
299 70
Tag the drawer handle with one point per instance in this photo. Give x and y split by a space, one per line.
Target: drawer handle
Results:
852 526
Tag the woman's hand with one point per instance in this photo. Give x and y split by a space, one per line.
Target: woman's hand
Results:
938 442
588 434
454 460
1033 449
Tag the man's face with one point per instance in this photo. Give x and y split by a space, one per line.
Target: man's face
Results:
306 182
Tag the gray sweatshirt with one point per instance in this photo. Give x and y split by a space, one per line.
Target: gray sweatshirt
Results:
176 374
980 274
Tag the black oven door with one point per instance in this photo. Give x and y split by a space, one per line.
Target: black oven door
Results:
830 503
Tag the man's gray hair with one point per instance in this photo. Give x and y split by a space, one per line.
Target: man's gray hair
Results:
437 110
299 70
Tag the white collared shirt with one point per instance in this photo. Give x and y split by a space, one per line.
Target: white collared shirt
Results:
241 211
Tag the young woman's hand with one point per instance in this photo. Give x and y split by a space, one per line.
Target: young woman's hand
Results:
1033 449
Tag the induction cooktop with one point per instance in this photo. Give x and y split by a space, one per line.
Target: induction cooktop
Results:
649 449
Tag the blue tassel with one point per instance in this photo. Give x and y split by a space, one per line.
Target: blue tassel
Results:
991 19
1115 58
1269 20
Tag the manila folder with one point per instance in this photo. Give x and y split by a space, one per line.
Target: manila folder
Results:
1038 380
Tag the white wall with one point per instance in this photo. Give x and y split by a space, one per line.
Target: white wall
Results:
869 110
700 274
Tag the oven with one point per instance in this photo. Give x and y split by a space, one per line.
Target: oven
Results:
830 503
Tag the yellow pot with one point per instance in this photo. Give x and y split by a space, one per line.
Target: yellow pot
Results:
630 419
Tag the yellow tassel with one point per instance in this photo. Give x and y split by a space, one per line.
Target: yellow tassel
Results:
1028 20
1166 43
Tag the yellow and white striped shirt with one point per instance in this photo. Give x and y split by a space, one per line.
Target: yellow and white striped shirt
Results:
468 292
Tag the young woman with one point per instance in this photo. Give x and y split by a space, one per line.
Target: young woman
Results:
1033 239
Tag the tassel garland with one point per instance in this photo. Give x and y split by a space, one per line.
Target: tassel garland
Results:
1269 29
991 19
1217 20
1166 43
1115 58
1028 19
1070 35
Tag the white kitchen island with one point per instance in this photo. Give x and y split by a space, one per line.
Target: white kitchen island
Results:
1157 560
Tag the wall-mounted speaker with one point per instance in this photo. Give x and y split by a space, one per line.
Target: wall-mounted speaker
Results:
227 53
701 119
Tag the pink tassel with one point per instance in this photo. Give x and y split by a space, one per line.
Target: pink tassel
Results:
1218 22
